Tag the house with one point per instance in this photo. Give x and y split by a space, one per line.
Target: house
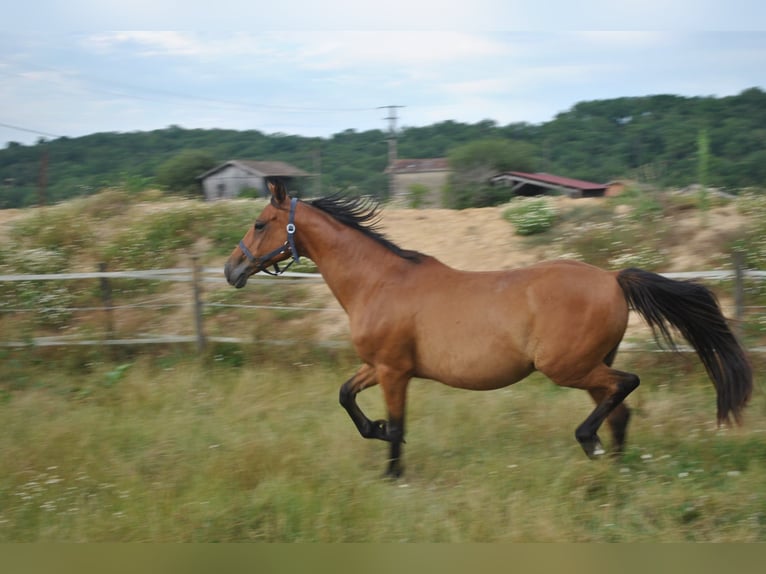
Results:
228 179
541 183
432 173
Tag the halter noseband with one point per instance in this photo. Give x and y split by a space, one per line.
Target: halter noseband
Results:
288 245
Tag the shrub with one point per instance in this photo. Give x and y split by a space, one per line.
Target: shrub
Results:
228 221
158 239
752 240
179 174
644 204
59 228
418 193
530 215
48 300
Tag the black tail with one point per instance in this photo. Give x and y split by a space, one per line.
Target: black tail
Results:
693 310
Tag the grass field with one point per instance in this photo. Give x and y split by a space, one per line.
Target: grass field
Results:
163 446
174 448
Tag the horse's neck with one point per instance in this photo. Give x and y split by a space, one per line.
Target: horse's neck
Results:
350 262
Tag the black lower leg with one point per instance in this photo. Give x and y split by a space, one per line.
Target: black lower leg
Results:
619 418
586 433
618 423
395 434
366 427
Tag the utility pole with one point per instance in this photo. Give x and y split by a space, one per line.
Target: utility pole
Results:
391 146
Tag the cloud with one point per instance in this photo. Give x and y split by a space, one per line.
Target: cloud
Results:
312 50
177 44
321 82
337 50
224 16
622 39
146 43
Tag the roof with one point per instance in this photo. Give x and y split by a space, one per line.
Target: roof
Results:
418 165
260 168
554 180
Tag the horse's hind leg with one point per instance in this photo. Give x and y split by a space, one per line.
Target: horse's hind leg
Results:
618 419
618 422
608 387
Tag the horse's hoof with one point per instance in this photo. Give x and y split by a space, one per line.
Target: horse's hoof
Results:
393 472
598 450
380 429
593 448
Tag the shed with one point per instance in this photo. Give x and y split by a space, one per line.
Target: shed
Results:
228 179
541 183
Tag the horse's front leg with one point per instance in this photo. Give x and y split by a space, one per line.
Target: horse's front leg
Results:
392 430
364 378
394 384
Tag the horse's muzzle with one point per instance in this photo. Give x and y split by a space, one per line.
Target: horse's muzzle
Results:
237 275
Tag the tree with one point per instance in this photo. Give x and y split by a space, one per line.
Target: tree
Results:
179 173
703 157
473 164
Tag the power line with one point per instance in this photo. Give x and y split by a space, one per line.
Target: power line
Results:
100 85
391 117
29 130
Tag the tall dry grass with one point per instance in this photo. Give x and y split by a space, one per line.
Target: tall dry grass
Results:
177 449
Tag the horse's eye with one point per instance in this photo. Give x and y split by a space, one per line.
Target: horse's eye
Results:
259 225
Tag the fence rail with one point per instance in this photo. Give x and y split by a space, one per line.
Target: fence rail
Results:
215 275
176 274
197 276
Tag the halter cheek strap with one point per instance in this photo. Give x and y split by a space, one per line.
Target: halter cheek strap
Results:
291 231
289 245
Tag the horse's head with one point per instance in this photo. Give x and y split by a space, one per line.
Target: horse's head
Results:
269 241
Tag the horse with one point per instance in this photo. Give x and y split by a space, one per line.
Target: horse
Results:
411 315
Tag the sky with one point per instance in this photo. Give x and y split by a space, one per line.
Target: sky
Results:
319 68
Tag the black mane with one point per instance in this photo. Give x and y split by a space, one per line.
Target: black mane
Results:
362 214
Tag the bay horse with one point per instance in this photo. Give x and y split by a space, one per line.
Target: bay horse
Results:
412 316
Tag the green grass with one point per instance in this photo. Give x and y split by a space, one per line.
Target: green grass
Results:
235 446
171 449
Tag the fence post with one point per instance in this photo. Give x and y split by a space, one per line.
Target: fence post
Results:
106 300
197 283
739 289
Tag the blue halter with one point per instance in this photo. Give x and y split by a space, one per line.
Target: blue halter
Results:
289 245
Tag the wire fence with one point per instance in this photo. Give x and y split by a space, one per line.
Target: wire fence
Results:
200 277
197 276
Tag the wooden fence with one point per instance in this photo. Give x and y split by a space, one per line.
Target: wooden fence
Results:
199 276
196 275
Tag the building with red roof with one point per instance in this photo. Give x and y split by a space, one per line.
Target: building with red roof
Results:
528 184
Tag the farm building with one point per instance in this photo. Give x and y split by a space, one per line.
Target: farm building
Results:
228 179
431 173
541 183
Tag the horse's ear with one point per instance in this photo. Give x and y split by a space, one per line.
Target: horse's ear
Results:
277 189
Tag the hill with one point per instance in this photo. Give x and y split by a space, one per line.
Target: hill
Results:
664 140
